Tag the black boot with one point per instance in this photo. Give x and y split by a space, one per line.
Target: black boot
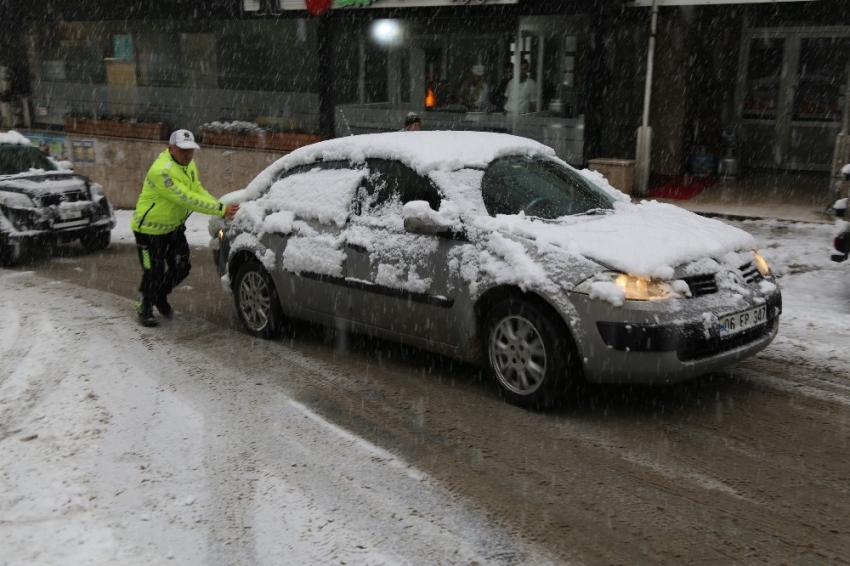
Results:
145 310
163 307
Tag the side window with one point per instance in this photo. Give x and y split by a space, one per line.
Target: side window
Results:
389 178
324 165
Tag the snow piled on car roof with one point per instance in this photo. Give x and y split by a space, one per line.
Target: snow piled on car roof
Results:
13 137
423 152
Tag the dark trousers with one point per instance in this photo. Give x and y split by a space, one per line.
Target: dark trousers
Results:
165 262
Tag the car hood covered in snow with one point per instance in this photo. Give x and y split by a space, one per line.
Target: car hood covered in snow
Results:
39 183
649 239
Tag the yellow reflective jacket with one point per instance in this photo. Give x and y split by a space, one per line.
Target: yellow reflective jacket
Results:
170 193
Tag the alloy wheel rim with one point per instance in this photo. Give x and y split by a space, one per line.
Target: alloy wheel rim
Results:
254 301
518 355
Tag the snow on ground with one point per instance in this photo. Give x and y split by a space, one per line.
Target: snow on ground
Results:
121 446
118 443
815 324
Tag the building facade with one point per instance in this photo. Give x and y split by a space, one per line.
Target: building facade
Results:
766 80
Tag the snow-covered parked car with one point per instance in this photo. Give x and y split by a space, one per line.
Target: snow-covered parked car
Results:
489 248
841 242
42 205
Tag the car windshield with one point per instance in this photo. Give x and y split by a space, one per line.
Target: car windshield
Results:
539 187
21 158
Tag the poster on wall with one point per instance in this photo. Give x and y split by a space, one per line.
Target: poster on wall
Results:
83 151
51 144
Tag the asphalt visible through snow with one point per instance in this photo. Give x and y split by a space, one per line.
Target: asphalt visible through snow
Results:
747 465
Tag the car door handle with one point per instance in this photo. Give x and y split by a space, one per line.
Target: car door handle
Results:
356 247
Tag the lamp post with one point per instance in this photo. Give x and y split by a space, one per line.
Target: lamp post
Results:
644 135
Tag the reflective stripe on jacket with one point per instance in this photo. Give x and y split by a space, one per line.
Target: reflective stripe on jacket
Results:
169 194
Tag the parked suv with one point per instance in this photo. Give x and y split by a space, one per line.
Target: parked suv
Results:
41 205
489 248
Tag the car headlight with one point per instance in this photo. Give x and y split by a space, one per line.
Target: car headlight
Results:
15 200
20 219
761 264
634 288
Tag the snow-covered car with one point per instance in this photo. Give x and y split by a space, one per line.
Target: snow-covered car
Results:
489 248
42 205
841 242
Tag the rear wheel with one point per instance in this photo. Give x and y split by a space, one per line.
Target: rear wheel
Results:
530 355
96 241
257 301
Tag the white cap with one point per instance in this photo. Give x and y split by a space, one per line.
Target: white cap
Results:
183 139
478 70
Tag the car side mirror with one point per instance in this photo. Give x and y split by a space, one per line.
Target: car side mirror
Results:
429 226
420 218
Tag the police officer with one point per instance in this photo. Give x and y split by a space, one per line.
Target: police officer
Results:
170 193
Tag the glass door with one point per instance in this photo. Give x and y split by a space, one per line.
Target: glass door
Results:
818 100
790 96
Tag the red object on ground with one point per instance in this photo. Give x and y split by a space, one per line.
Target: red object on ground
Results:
318 7
680 187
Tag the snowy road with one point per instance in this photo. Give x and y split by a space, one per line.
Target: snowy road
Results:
196 443
128 446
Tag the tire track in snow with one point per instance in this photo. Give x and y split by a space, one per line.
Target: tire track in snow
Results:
349 500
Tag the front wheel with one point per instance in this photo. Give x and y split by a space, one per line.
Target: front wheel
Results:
8 255
530 355
257 302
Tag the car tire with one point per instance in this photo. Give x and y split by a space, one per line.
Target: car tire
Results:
7 255
96 241
530 355
257 302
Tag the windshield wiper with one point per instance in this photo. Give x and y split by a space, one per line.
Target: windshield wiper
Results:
594 211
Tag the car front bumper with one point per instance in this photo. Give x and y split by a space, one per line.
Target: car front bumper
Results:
640 343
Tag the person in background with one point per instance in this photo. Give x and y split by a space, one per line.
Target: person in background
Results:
475 92
521 100
413 123
497 95
171 192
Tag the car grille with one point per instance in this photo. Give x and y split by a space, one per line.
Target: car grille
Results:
68 196
691 350
707 284
701 284
750 273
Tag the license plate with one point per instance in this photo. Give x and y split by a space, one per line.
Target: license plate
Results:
70 213
739 321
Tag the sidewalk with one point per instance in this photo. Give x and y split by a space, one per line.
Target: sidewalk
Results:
801 197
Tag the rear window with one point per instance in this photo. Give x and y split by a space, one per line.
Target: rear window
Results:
21 158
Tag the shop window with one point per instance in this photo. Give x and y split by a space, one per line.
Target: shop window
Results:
764 70
158 58
70 52
821 79
279 56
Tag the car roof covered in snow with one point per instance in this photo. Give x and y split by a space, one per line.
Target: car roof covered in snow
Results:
13 137
422 151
